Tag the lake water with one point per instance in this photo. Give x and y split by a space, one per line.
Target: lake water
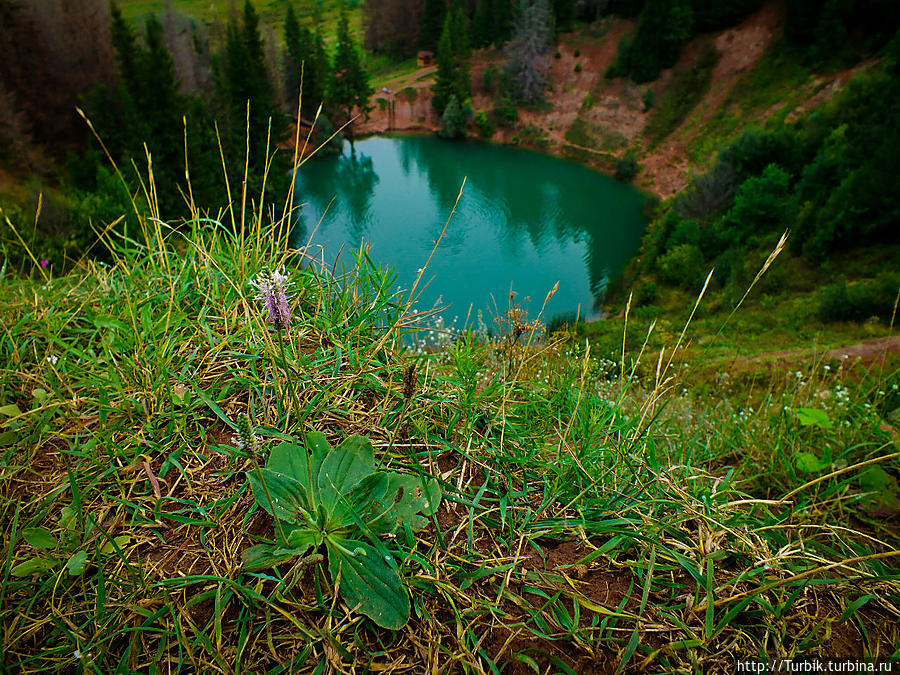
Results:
525 221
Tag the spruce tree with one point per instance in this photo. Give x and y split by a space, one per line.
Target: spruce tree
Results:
306 52
482 30
527 66
148 109
432 24
453 73
242 78
349 86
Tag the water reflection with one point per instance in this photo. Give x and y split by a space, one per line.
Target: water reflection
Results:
524 219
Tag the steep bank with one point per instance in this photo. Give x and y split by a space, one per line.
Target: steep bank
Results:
598 121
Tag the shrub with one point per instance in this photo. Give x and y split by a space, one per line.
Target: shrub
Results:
577 67
577 53
623 59
708 194
488 78
410 93
455 119
648 100
627 169
486 128
506 114
646 294
859 301
682 266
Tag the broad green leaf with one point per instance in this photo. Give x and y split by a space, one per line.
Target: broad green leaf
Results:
77 563
11 410
121 541
8 438
368 583
32 566
67 518
369 493
813 417
39 537
346 466
287 497
265 556
807 462
40 395
302 539
292 460
404 500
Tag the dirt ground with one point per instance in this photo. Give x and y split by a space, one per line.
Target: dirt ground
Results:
613 109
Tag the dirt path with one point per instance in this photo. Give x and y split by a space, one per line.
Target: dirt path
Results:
867 354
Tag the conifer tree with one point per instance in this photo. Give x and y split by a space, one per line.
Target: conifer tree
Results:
432 24
349 86
453 76
503 14
243 79
147 109
482 31
306 52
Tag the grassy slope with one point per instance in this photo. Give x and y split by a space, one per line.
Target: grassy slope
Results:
591 516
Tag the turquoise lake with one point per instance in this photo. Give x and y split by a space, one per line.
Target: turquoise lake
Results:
525 221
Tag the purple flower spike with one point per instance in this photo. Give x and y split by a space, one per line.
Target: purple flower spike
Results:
270 289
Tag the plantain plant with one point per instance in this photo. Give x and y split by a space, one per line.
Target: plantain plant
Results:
338 499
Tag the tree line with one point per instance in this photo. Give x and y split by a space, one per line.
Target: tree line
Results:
161 97
828 32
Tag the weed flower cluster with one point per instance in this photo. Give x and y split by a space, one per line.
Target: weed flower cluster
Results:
271 289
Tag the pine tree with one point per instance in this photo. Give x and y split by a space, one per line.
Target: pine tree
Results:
453 76
502 15
242 78
306 52
349 86
482 33
432 24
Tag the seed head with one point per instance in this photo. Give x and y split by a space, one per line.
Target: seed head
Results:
246 439
409 381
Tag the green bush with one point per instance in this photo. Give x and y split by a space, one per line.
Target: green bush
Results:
577 67
646 294
506 114
861 300
455 119
627 168
486 128
682 266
